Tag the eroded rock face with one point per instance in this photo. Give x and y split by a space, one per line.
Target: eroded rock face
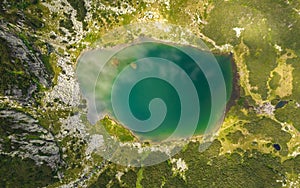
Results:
22 136
22 68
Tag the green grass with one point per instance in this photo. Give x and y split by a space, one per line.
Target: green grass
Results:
104 179
296 78
260 62
51 119
139 178
117 130
235 137
266 24
274 82
290 114
17 172
223 18
153 176
129 179
279 16
177 13
269 129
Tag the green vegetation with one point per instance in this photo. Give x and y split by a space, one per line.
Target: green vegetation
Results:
274 83
79 6
260 64
107 178
293 165
139 178
74 157
33 21
242 156
177 14
220 30
296 78
67 23
17 172
208 169
16 74
263 28
153 176
289 114
129 179
235 137
30 13
267 128
117 130
230 170
13 72
50 119
279 16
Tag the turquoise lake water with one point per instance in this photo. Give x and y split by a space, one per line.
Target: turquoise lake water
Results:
119 94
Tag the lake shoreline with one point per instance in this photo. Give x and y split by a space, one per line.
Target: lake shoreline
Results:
235 93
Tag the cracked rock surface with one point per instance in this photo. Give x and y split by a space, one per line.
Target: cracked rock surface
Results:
24 137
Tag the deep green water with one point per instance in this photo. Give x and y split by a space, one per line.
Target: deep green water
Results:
147 89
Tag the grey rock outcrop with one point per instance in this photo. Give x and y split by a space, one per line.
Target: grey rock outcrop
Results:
25 138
